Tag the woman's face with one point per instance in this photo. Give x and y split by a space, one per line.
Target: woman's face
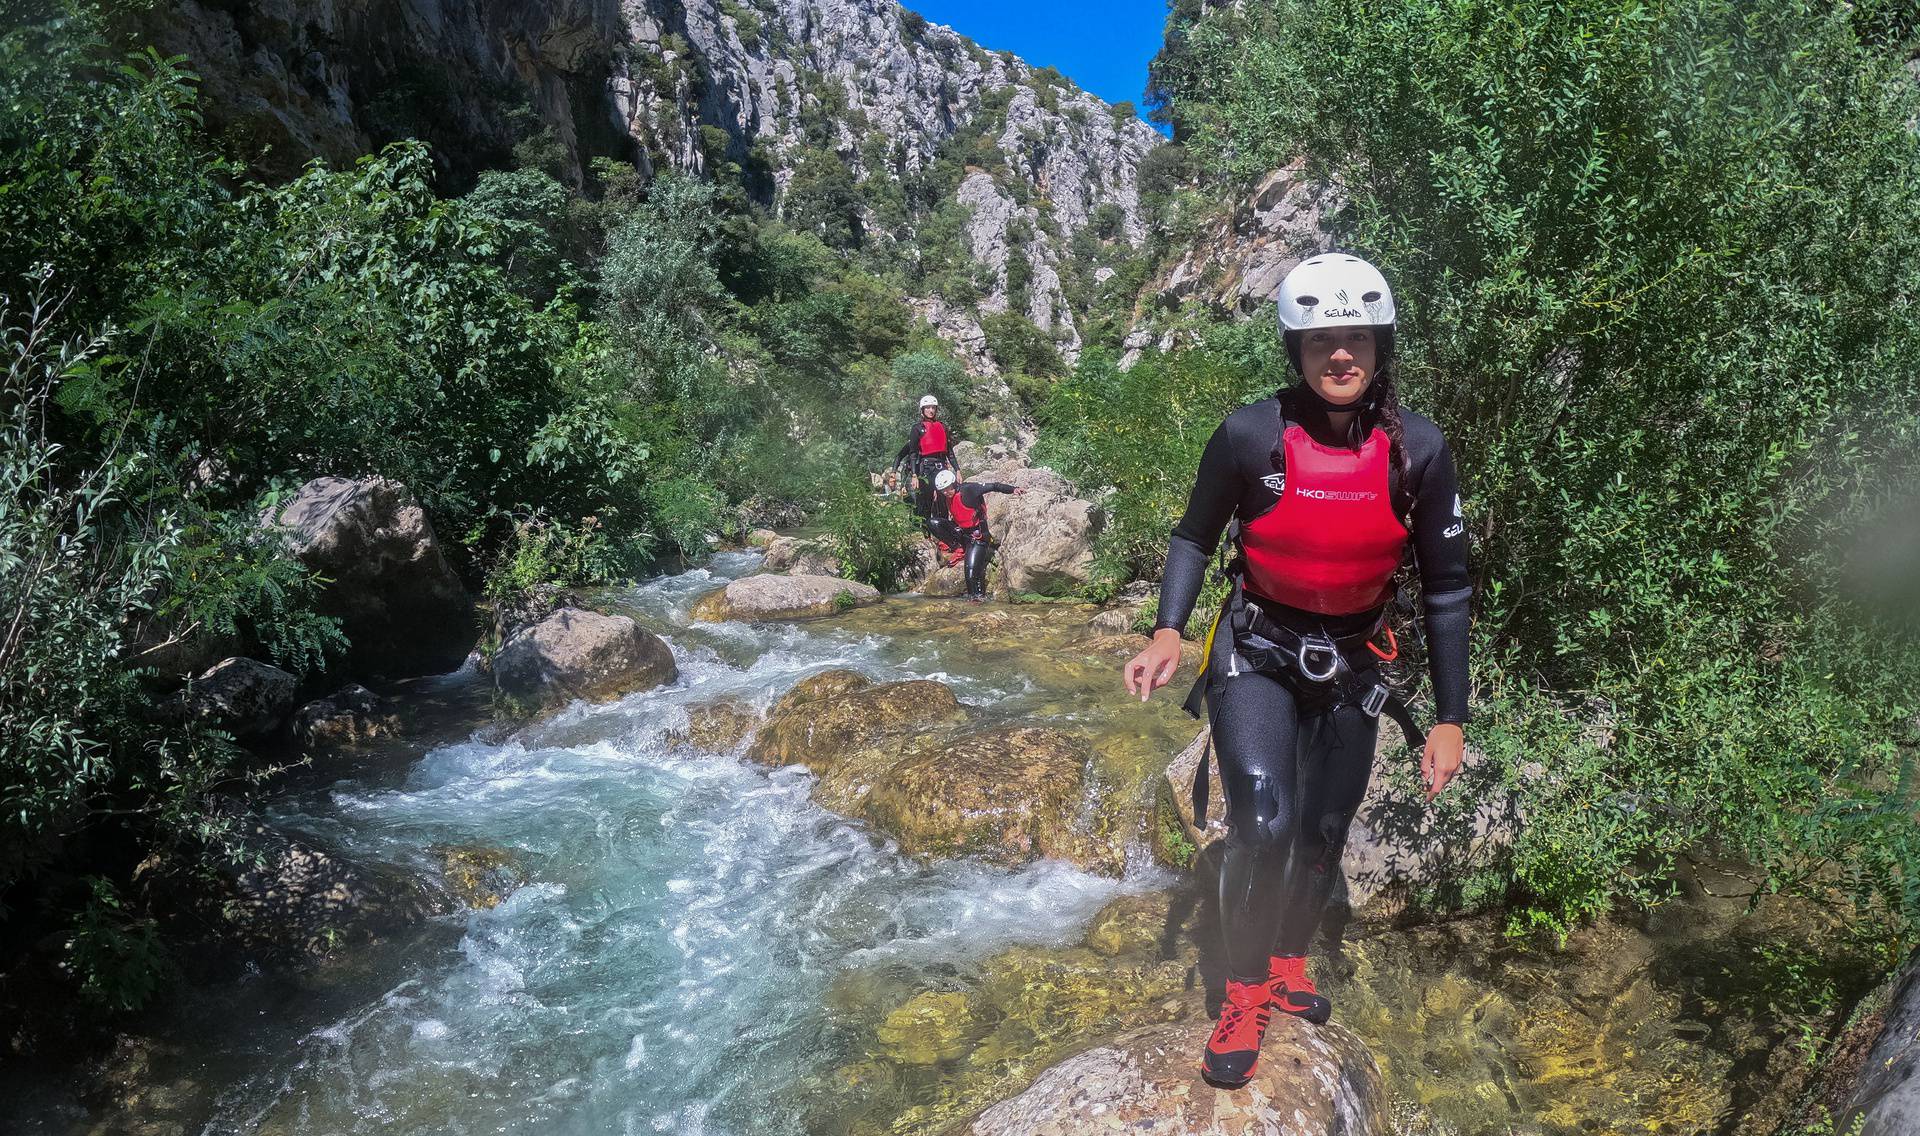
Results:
1338 362
929 412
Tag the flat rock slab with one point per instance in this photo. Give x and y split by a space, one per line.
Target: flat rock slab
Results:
828 717
1311 1081
783 597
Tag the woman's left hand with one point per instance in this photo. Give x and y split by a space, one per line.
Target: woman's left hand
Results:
1445 747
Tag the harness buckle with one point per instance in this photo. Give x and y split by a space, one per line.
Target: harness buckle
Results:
1313 647
1375 700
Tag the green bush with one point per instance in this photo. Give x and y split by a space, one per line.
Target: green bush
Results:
1666 329
875 538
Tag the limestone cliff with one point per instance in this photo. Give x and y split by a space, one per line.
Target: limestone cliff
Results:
997 185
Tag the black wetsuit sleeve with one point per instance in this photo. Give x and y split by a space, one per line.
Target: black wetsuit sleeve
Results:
913 444
987 487
1440 542
1217 489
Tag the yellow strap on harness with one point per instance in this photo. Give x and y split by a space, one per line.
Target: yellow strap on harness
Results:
1206 652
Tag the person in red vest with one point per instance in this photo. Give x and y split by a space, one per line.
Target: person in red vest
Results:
1329 484
965 524
929 450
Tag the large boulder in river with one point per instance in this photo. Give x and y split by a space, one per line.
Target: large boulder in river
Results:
1045 535
1007 795
581 654
245 697
828 716
783 597
402 607
285 896
1310 1081
351 716
798 557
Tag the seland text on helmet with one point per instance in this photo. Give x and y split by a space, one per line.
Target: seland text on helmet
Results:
1334 289
927 400
944 480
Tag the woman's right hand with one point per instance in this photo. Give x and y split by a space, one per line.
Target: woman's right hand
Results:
1153 668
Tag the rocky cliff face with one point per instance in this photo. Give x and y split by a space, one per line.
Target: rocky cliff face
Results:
1001 187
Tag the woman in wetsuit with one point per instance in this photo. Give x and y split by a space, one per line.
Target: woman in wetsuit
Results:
964 525
928 451
1330 482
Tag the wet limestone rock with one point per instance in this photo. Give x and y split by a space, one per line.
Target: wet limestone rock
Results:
830 716
719 726
1311 1081
783 597
245 697
1176 840
761 538
1045 535
797 557
478 876
1886 1096
933 574
403 609
581 654
351 716
288 897
1007 795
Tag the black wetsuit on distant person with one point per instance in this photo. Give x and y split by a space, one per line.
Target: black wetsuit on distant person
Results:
965 526
1324 522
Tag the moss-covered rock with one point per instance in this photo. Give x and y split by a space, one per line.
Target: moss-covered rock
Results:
830 717
1008 795
717 727
478 876
930 1028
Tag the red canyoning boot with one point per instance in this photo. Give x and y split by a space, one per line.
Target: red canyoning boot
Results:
1235 1044
1293 991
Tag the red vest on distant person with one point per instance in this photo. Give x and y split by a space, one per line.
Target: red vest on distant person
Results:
933 438
1333 541
963 515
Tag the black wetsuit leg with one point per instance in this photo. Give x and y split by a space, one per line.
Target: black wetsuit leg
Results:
1292 783
979 552
923 500
1336 762
946 532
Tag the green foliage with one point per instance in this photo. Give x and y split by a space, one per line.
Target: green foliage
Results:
1017 345
116 955
1640 294
875 538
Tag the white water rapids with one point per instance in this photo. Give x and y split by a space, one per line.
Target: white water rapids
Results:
668 968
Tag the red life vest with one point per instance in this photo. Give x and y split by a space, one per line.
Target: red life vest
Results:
963 515
1332 542
933 438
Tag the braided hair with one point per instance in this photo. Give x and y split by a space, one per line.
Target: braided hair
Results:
1379 406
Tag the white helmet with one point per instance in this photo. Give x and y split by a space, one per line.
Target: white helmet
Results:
944 480
1334 290
927 400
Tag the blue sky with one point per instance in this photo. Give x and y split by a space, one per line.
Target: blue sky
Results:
1103 45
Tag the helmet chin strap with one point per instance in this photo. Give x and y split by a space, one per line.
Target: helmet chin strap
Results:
1358 407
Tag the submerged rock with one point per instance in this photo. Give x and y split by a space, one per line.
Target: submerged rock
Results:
479 876
719 726
830 716
783 597
402 607
581 654
351 716
245 697
1311 1081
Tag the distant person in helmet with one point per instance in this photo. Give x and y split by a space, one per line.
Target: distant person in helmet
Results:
1329 484
962 523
929 450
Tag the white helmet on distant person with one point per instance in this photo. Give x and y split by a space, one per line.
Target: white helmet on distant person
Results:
927 400
1334 289
944 480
